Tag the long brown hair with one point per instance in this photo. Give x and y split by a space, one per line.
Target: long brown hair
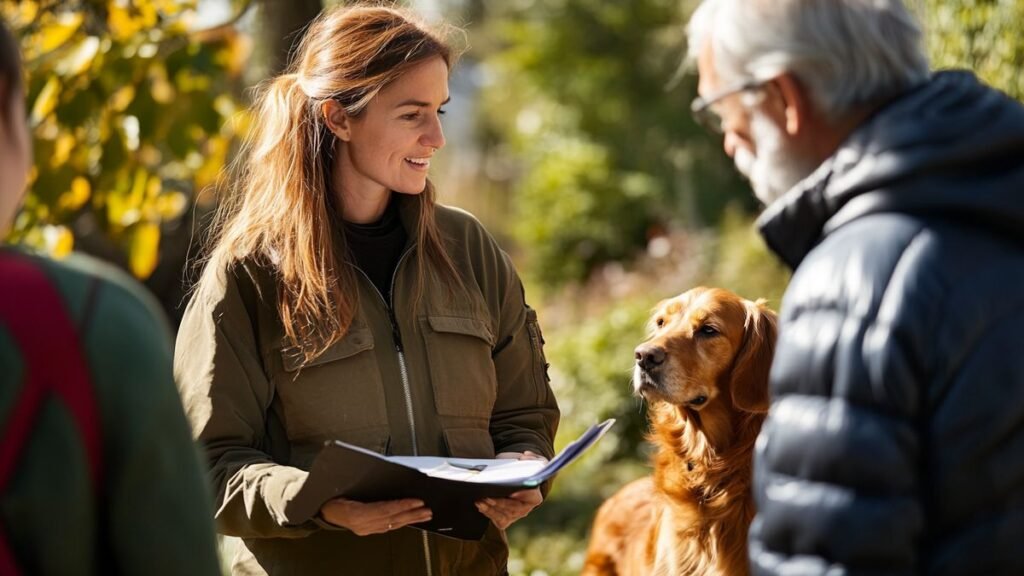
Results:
280 211
10 72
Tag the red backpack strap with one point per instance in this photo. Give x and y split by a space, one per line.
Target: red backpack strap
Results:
33 312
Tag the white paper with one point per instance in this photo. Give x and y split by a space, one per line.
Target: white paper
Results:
495 471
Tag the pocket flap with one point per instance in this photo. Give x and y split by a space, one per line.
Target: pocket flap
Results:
355 341
469 443
458 325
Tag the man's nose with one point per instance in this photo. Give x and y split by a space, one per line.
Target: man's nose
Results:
730 143
649 357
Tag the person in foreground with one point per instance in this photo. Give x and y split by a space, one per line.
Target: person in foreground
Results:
894 440
98 472
340 302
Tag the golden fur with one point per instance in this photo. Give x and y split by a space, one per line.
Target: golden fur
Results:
705 372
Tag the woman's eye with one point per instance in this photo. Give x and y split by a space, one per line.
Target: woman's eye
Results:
410 116
708 330
442 112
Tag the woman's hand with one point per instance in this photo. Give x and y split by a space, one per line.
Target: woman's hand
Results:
504 511
374 517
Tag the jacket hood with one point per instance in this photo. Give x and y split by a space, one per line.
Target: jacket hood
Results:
951 147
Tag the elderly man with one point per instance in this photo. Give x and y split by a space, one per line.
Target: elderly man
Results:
895 439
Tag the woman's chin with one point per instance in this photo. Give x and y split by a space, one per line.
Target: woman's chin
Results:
411 190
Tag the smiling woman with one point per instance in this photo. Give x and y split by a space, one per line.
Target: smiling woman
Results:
340 302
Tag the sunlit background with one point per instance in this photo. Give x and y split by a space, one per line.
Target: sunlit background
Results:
568 135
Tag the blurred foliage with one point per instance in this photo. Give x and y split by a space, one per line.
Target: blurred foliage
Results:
980 35
582 93
127 109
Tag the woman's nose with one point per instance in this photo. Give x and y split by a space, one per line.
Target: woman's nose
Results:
434 137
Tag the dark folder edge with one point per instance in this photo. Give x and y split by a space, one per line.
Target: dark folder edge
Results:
451 501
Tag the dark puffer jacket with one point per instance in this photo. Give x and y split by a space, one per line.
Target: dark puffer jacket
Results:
895 440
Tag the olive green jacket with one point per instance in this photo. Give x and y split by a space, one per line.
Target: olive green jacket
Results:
460 375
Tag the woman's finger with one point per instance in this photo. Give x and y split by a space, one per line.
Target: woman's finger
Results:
407 517
532 497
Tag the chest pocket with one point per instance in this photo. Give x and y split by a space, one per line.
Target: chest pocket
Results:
461 368
337 395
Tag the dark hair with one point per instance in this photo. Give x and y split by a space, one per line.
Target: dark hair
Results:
10 70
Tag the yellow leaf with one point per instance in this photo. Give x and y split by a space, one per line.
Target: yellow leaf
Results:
214 159
162 90
21 13
77 196
154 186
55 35
144 249
62 149
59 241
122 24
47 100
122 98
139 184
171 205
80 58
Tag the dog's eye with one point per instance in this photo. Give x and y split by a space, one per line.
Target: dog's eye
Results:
708 330
659 322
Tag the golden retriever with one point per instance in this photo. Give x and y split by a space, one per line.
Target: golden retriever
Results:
704 371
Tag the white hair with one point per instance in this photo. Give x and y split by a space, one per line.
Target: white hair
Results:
845 52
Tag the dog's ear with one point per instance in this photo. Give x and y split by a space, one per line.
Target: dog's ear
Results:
754 360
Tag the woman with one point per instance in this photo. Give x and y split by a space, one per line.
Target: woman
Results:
340 302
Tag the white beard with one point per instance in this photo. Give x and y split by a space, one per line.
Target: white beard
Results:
774 170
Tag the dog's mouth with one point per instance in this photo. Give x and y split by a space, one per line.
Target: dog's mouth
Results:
645 384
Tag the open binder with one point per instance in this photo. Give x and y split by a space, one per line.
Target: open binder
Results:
448 486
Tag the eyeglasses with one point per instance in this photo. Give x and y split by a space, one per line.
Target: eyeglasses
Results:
703 108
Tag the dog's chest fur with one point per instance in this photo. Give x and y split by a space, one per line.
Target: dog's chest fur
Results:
704 481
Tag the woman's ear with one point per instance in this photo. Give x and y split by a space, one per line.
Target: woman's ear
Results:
338 121
749 384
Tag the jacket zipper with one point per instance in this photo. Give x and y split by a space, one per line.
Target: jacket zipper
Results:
397 338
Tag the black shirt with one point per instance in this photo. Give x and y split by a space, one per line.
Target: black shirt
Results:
377 247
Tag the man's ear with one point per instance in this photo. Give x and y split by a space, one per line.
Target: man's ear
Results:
338 121
797 105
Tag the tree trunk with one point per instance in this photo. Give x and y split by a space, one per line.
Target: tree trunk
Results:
283 22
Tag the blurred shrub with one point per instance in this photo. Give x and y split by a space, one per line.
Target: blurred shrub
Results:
581 93
741 262
576 211
127 110
980 35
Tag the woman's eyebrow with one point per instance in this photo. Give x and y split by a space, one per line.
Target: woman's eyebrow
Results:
420 103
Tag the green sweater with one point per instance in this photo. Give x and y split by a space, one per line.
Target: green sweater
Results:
154 515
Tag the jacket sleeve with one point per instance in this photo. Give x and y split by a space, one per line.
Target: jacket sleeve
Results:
159 515
525 415
837 464
227 396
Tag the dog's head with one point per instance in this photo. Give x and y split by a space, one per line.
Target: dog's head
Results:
707 345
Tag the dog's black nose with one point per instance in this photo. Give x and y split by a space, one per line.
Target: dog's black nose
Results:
649 357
